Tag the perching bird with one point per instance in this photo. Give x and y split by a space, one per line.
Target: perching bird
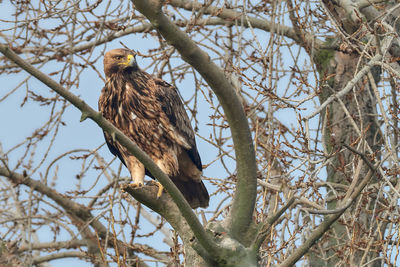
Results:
150 112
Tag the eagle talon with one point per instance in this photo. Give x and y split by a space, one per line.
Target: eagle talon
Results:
160 188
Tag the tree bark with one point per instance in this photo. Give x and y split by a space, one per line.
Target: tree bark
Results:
348 120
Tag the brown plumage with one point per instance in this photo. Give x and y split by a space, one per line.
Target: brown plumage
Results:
150 112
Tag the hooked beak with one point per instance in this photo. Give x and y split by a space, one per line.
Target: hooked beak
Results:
130 61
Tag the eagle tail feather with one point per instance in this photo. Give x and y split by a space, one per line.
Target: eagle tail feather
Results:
194 192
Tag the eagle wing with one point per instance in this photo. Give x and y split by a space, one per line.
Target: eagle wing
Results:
113 149
172 106
189 180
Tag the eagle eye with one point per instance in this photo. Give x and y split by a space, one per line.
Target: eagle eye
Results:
119 57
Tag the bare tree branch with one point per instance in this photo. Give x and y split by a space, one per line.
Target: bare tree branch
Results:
364 71
232 16
326 224
60 255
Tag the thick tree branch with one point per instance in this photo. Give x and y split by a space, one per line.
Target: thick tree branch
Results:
64 50
167 208
52 245
227 17
79 213
245 195
88 112
72 244
232 16
68 205
60 255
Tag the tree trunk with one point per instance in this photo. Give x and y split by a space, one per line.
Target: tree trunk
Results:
348 120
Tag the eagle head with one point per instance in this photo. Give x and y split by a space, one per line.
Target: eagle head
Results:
118 60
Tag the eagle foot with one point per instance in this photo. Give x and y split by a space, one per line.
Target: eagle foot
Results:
136 185
160 188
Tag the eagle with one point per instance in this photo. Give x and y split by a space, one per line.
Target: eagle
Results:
150 112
